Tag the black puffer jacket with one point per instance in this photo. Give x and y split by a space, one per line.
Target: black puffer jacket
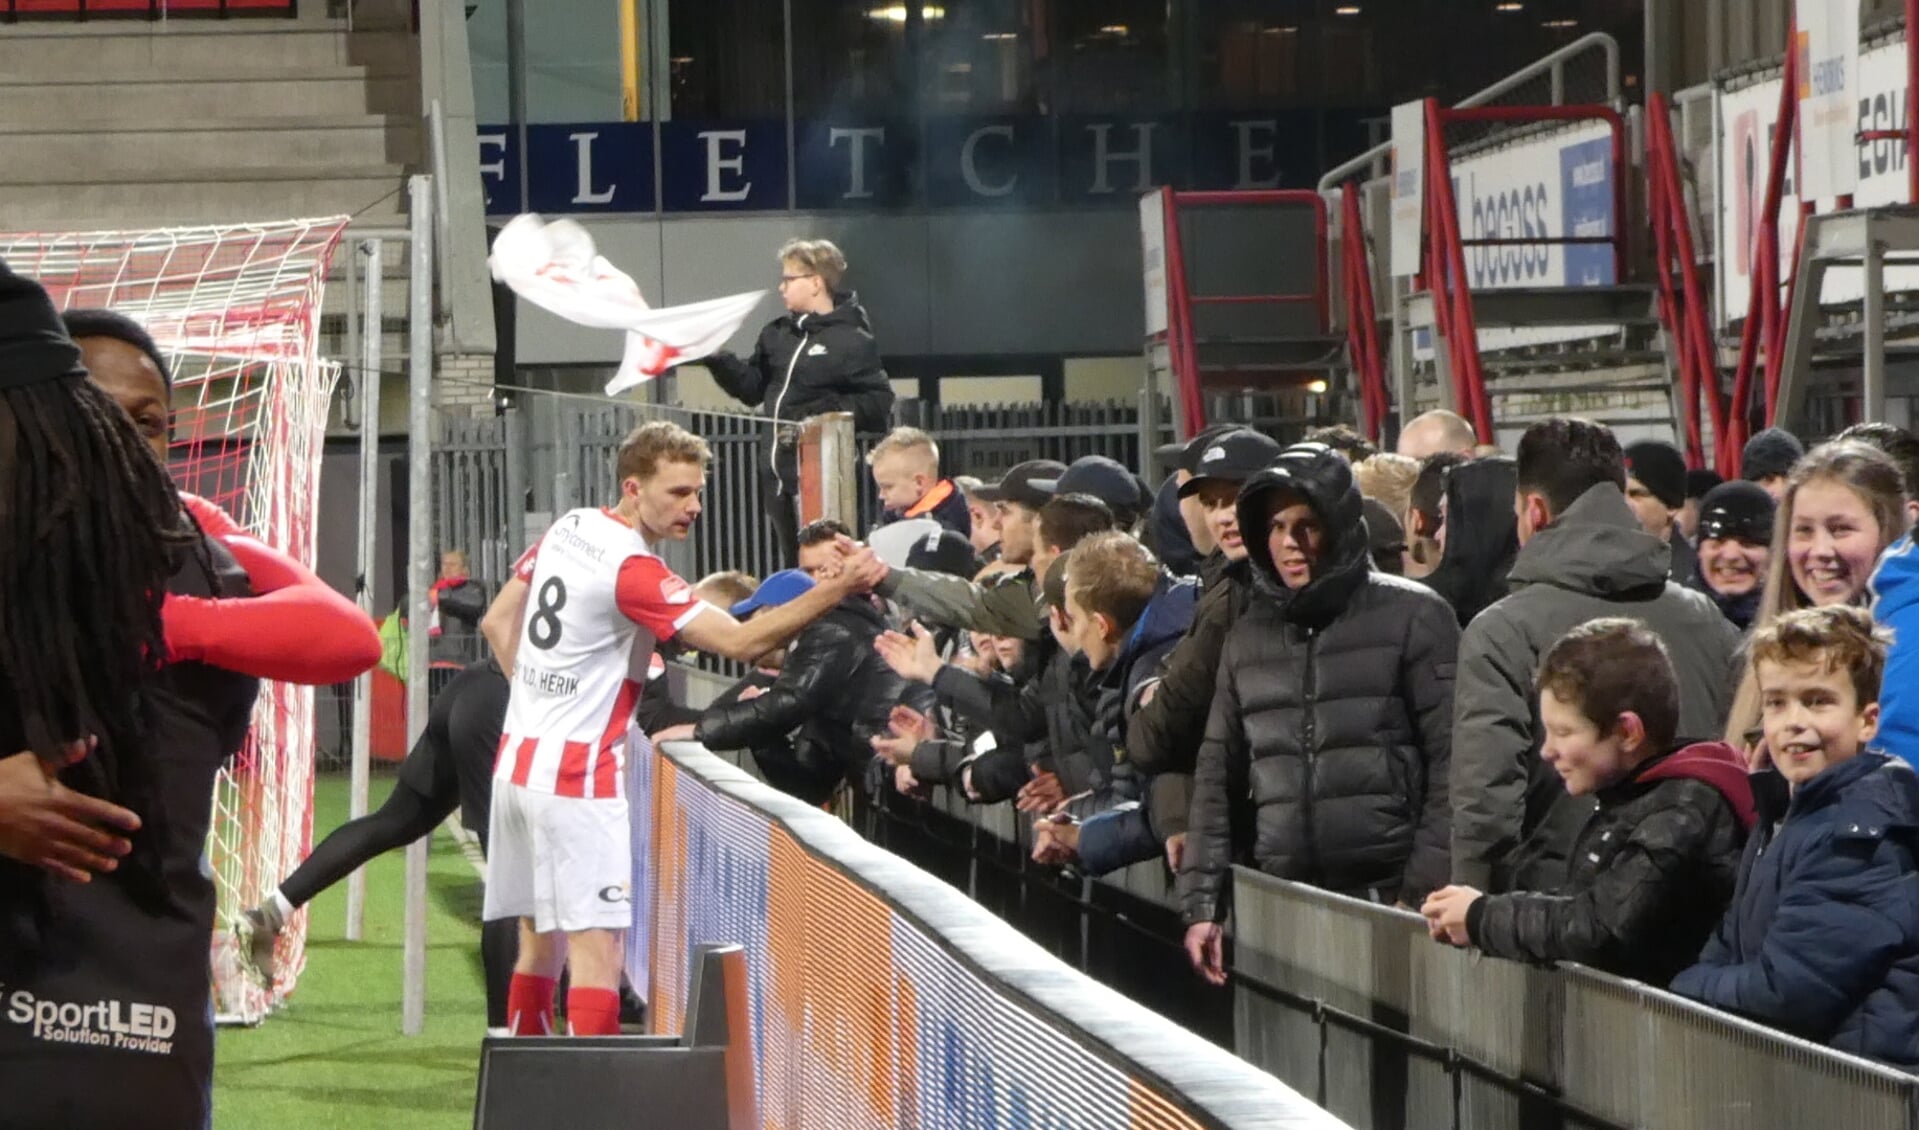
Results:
1333 714
833 688
1482 536
808 364
1648 878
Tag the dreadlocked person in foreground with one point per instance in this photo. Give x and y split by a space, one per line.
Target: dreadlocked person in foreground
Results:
105 908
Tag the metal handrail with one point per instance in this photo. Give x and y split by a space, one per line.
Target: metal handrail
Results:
1682 309
1183 348
1553 64
1362 315
1444 268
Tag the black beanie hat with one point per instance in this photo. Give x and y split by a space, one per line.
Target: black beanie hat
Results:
1660 468
34 346
1771 452
1701 481
1738 509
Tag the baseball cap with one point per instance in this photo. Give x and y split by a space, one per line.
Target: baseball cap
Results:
944 551
1183 454
1234 457
1017 485
1098 476
893 543
1738 509
774 591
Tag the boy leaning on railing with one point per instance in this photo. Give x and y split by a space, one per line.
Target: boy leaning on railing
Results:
1654 866
1822 939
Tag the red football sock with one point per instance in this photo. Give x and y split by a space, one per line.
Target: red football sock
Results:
529 1005
593 1012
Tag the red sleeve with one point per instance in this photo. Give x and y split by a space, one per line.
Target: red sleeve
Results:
653 597
297 631
523 568
216 522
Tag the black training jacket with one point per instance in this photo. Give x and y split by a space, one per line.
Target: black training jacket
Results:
1332 718
809 364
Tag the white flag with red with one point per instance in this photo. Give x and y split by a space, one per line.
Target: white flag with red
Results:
556 267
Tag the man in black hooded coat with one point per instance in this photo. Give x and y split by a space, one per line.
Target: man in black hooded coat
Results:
1333 715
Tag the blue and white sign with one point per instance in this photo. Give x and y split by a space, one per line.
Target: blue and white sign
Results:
878 163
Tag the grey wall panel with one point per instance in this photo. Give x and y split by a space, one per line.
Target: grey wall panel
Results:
1053 282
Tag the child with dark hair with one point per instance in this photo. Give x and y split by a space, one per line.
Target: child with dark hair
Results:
1653 868
1822 939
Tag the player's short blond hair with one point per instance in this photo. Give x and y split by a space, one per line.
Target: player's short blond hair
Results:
1112 575
907 441
819 256
657 442
1388 478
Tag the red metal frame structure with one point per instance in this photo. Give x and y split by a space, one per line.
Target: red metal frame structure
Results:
1182 347
1765 326
1682 306
1362 315
1444 271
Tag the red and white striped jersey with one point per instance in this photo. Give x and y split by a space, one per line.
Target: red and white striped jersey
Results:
598 601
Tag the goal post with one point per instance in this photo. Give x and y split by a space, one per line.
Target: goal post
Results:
236 311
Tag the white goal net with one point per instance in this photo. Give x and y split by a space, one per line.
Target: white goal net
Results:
237 311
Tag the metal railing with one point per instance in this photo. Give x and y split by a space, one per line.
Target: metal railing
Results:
1550 69
1354 1004
1443 265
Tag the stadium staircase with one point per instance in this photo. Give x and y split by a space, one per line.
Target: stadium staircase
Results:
1247 333
139 123
1636 346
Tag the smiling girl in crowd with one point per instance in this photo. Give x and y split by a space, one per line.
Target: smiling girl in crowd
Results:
1844 504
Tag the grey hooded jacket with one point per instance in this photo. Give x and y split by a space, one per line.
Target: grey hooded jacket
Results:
1512 820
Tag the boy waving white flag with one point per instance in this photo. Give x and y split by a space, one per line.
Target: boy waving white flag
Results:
555 267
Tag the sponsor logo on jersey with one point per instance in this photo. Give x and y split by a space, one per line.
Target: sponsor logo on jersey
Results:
120 1025
568 538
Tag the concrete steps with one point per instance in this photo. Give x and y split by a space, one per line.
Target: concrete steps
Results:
124 124
94 151
54 200
115 50
189 96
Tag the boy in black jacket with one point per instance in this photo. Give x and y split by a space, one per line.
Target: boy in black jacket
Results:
1123 613
1655 865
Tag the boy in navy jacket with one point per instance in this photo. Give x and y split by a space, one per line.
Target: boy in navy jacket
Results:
1822 939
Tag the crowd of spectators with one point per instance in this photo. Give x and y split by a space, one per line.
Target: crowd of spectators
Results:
1571 702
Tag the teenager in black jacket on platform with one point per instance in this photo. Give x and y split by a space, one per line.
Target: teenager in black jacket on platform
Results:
818 357
1333 712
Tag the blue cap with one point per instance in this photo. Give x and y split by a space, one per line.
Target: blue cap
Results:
774 591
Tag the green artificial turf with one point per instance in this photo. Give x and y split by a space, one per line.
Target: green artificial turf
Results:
333 1056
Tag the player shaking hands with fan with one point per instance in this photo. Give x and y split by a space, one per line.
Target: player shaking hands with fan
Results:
575 630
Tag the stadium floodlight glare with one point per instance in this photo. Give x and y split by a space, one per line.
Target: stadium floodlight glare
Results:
1346 10
1560 25
896 13
1509 6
